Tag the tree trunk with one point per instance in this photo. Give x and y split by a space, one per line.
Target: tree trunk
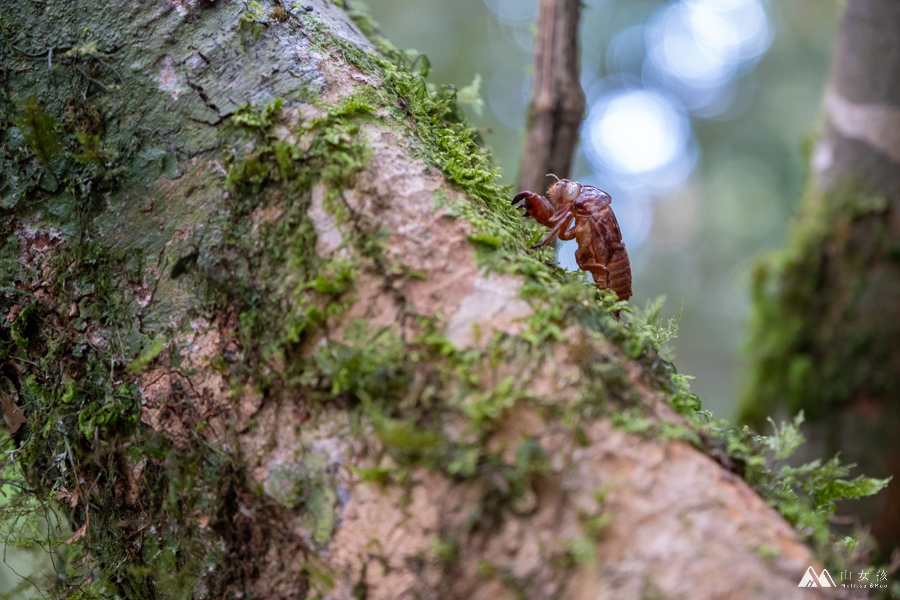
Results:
827 334
275 332
557 102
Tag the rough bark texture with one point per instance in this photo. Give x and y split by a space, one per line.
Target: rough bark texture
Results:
281 348
827 334
557 103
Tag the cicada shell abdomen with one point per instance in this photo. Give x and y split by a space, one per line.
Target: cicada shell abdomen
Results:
619 274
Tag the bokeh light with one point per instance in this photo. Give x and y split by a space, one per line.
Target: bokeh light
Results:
696 47
635 132
681 64
514 11
507 96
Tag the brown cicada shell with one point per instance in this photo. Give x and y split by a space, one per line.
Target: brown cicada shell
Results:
583 213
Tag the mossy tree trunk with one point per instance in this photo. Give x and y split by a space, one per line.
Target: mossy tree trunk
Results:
276 333
827 309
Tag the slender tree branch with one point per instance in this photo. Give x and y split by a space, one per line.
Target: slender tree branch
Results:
557 104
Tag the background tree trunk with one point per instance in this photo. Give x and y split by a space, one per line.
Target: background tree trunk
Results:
827 309
557 103
275 333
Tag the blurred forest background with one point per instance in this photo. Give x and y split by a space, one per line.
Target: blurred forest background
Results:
700 117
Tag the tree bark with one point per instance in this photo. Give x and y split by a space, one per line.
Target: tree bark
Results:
557 103
276 333
827 334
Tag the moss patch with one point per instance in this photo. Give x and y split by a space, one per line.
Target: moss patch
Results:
819 338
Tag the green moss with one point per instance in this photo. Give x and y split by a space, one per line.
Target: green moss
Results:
804 495
596 525
308 489
372 367
446 550
357 12
274 273
379 475
432 117
38 130
335 154
583 552
147 356
251 23
19 327
819 333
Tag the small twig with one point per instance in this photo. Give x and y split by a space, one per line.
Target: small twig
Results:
87 508
18 485
91 79
48 509
40 55
557 103
12 459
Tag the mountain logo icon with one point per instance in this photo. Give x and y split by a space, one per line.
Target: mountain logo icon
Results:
810 579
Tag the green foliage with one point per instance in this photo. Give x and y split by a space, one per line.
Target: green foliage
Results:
368 365
18 330
445 550
335 278
252 22
648 334
483 408
338 148
446 142
407 438
258 119
378 372
805 495
117 411
357 12
471 95
595 526
92 150
74 341
147 356
38 129
81 405
785 440
583 551
306 486
288 282
334 156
